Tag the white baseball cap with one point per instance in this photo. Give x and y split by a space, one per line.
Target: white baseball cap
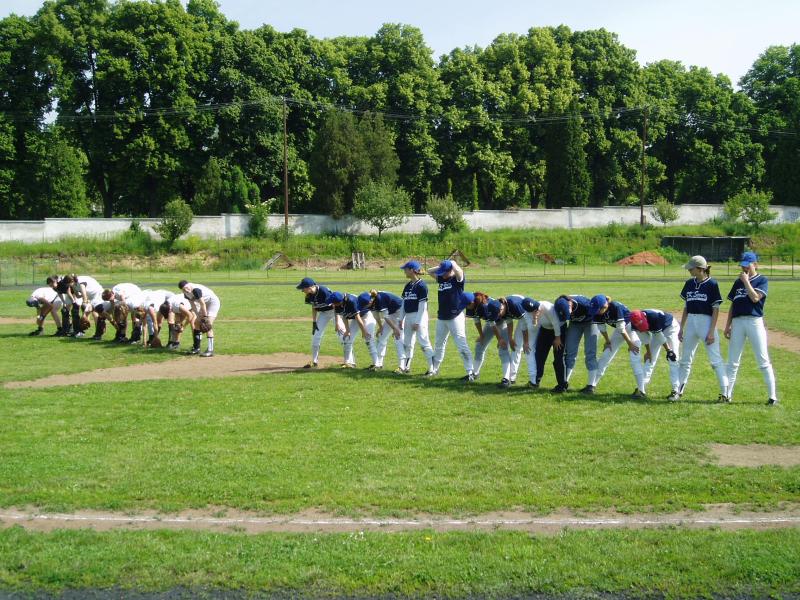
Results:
696 262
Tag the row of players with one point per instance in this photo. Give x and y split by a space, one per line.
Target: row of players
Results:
72 300
529 327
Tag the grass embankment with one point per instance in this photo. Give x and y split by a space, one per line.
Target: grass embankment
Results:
358 443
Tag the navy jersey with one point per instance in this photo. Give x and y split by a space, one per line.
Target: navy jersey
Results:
450 305
657 320
701 298
489 311
385 301
349 308
580 312
414 293
514 306
321 299
741 305
616 312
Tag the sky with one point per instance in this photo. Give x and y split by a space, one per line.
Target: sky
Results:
726 36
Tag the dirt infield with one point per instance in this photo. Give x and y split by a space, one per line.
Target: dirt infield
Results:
220 519
183 367
755 455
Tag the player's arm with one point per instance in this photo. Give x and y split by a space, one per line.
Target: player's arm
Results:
510 326
459 272
684 317
632 347
85 295
752 293
713 326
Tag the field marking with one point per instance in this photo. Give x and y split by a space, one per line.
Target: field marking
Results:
49 521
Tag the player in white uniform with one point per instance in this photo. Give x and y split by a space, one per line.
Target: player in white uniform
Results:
84 293
177 310
113 307
47 302
205 305
146 311
655 329
415 316
746 322
699 323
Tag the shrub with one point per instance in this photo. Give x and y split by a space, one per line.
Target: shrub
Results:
381 205
176 221
259 211
664 211
446 213
751 207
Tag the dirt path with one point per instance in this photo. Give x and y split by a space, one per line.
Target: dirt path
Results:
221 520
183 367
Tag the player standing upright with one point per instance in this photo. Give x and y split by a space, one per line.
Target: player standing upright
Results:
450 277
415 316
746 322
699 323
318 296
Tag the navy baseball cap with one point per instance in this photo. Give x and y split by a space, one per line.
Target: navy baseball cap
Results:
363 300
335 297
306 282
412 264
467 298
748 258
562 309
530 305
444 267
596 303
492 309
32 303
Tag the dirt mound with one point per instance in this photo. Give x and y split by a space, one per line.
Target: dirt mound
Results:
184 367
643 258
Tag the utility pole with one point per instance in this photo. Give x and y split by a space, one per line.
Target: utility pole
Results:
285 173
644 167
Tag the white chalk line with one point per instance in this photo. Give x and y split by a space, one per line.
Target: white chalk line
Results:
407 523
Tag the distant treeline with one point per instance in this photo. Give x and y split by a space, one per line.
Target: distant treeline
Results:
118 108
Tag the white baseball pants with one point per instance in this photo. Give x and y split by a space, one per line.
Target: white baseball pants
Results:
383 340
446 327
608 355
694 334
487 337
750 328
415 329
655 342
520 326
355 330
323 318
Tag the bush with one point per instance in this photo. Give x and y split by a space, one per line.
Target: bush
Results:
751 207
259 211
664 211
176 221
381 205
446 213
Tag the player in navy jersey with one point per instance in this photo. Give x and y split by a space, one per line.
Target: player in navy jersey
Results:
347 310
699 324
318 296
491 312
450 278
548 334
573 312
415 316
655 329
521 315
607 312
746 322
387 309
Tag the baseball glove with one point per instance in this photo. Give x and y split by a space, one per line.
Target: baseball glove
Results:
155 342
204 325
84 324
177 328
671 356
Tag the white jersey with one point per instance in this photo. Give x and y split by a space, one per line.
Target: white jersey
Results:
93 289
125 290
136 301
46 293
156 298
548 317
176 301
205 294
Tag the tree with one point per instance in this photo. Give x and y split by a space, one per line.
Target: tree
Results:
664 211
177 221
382 205
751 207
446 213
568 182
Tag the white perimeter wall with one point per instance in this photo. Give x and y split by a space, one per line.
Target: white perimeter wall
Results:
235 225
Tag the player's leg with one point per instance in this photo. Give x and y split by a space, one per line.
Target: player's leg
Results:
560 369
635 359
399 346
671 335
516 354
458 329
651 341
691 338
735 348
505 354
372 346
323 318
608 355
714 354
572 341
758 339
480 348
424 339
544 340
442 333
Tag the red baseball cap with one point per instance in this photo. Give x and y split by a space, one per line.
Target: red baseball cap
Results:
639 321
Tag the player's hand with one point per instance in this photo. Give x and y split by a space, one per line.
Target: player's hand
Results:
728 332
513 345
526 348
648 357
633 348
397 334
744 277
557 342
502 344
415 327
710 338
606 346
671 356
680 336
314 328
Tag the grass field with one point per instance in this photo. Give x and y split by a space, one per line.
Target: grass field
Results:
376 444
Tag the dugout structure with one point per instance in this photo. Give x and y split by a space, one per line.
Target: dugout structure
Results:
721 248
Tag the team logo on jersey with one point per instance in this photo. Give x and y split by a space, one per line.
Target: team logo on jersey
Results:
696 297
445 285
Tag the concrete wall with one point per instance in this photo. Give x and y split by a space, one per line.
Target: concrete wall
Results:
235 225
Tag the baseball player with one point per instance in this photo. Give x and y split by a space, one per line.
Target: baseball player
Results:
746 322
548 333
522 316
46 301
112 307
318 296
415 316
492 312
346 307
573 312
205 305
605 312
61 287
702 300
450 278
84 293
655 329
147 312
178 312
387 309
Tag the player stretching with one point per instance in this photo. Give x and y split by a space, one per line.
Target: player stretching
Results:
451 320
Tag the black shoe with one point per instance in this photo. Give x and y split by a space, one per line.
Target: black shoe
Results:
36 332
194 351
504 383
559 389
772 402
588 389
97 337
468 378
533 385
60 333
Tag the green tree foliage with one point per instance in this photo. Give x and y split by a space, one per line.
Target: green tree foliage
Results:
751 207
568 182
259 212
446 213
664 211
382 205
176 221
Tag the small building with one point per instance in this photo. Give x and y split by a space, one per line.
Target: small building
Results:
721 248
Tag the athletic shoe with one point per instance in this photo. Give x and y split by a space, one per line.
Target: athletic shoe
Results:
638 394
512 381
207 354
468 378
194 351
60 333
772 402
504 383
97 337
36 331
533 385
347 366
373 368
559 389
311 365
401 371
588 390
122 340
723 399
674 396
429 373
173 346
80 334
